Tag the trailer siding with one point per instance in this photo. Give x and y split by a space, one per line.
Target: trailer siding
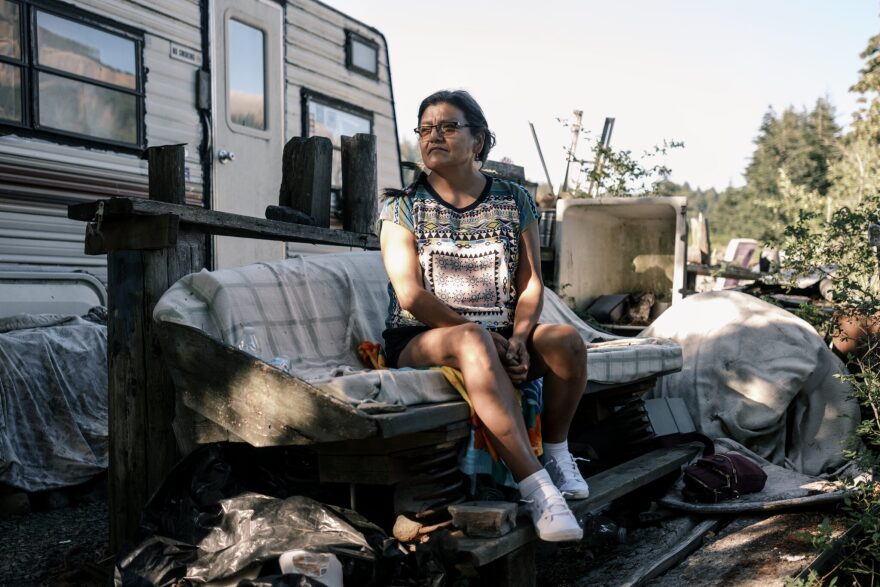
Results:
315 61
39 177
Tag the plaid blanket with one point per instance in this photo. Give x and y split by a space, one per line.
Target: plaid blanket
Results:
317 309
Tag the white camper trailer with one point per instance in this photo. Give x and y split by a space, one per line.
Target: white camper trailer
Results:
85 86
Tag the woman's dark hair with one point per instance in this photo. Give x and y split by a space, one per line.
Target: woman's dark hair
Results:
473 116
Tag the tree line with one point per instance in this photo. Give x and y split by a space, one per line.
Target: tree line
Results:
802 160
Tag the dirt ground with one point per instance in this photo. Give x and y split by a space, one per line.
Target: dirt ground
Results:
68 546
63 546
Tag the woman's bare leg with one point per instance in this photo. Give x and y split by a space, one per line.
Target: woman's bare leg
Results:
470 349
558 353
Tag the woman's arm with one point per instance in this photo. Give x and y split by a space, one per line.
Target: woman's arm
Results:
530 288
403 268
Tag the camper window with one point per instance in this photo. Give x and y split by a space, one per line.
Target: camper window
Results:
85 74
247 86
361 55
331 118
10 72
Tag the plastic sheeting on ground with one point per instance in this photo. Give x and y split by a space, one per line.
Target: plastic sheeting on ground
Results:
761 376
206 523
53 401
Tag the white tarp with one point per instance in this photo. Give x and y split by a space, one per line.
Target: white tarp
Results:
761 376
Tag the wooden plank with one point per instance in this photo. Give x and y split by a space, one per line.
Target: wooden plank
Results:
609 390
487 519
133 233
191 429
662 420
379 446
683 419
288 214
517 569
161 270
419 418
260 404
141 397
166 173
305 180
654 568
604 488
359 187
226 224
731 271
623 479
126 398
384 462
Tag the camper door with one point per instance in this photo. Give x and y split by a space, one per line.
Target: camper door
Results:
248 124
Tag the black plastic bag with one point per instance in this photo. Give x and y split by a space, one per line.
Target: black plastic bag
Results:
205 524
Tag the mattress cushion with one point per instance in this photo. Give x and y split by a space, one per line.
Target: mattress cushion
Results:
315 310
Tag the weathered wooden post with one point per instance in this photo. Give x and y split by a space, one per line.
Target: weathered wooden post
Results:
305 180
141 397
359 183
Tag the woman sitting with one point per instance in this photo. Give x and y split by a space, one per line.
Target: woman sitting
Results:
463 258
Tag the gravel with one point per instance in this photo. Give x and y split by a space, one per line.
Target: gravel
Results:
64 546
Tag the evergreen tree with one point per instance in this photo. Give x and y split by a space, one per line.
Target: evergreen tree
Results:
801 144
857 173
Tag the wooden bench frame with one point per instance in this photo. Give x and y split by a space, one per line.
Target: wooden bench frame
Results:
153 243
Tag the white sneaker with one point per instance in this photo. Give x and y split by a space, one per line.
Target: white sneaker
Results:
553 521
566 476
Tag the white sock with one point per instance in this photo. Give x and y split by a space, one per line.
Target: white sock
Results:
534 482
556 449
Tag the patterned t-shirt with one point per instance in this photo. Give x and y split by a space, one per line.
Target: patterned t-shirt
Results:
468 255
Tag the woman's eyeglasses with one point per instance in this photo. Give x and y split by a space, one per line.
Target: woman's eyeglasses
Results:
447 128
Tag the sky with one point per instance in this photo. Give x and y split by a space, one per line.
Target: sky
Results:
699 71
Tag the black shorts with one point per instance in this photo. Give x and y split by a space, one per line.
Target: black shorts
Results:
396 340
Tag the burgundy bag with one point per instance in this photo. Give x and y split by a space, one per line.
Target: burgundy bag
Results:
722 476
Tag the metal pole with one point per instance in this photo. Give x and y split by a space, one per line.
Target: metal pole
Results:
605 142
541 155
575 134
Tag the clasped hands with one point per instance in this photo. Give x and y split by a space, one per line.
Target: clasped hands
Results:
514 356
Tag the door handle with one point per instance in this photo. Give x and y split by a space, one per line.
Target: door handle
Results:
223 156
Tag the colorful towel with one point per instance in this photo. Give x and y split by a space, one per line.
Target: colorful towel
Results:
480 457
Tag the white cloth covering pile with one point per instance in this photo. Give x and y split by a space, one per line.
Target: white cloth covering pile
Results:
761 376
317 309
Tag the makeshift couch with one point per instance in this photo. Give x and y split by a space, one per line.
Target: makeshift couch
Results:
316 310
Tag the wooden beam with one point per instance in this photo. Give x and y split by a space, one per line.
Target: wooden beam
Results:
517 569
359 183
167 173
141 399
305 177
133 233
679 551
256 402
126 400
226 224
419 418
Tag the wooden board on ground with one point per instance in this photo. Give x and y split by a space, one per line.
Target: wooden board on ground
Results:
604 488
752 551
